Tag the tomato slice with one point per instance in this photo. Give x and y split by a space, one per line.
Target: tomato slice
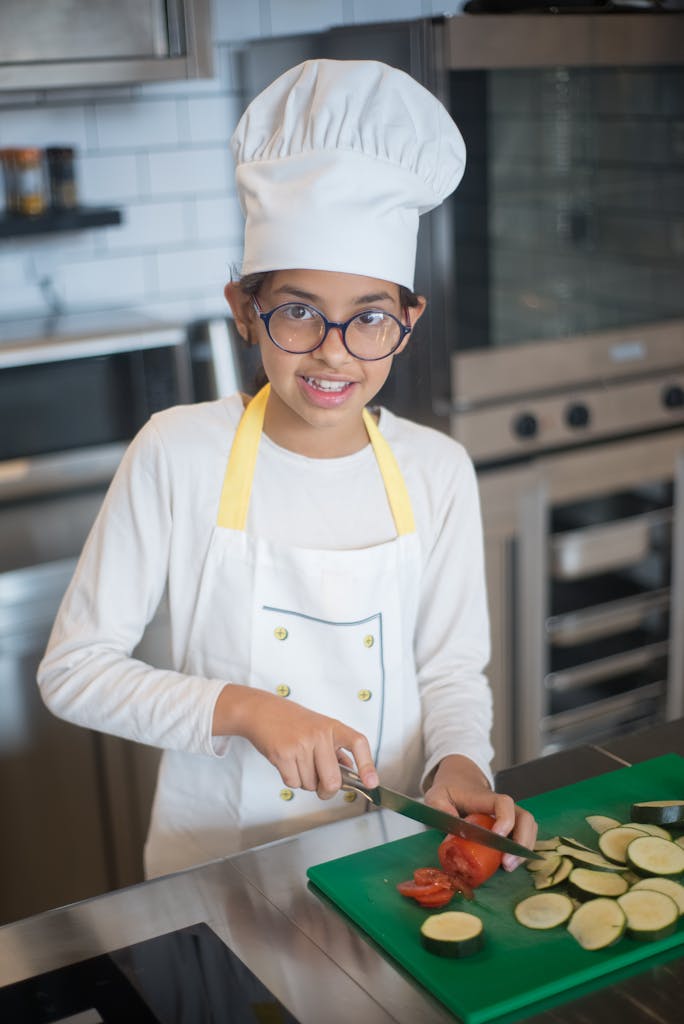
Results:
471 862
429 887
423 876
416 891
439 899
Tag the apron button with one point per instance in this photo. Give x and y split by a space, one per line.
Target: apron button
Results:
364 695
368 640
286 794
283 690
280 633
349 797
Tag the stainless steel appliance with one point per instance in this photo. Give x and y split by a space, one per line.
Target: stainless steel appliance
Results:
72 42
553 345
72 393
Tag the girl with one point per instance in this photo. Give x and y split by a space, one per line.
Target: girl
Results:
322 559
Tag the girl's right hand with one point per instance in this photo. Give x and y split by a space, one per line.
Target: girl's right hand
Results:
303 745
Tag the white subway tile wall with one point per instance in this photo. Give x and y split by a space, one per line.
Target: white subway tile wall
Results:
160 153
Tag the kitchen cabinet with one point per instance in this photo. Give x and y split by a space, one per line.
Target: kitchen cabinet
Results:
96 42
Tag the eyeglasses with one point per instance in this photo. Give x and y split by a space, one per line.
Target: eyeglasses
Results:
297 328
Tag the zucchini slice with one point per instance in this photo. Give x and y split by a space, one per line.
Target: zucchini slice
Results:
544 845
659 812
545 865
588 858
544 910
650 915
651 855
575 843
613 842
598 923
453 933
667 885
600 823
586 884
653 830
545 881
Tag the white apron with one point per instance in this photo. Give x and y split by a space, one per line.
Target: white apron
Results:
332 630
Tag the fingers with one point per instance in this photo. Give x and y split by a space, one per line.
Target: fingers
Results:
365 766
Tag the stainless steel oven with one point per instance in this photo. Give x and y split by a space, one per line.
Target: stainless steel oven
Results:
72 394
553 345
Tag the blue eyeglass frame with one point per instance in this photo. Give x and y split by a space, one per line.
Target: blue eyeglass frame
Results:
341 325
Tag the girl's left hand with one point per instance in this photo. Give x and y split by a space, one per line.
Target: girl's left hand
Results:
459 787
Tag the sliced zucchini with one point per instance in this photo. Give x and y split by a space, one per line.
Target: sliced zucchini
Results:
453 933
650 915
588 858
613 842
543 845
547 865
598 923
600 823
630 877
544 881
667 885
544 910
653 830
575 843
659 812
679 840
651 855
586 884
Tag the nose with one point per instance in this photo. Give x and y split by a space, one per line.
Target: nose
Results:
332 350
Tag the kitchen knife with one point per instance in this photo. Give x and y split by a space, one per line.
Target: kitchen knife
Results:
383 797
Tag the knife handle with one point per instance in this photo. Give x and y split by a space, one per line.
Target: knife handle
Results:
351 781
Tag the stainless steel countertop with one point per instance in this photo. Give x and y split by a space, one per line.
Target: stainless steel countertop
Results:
318 964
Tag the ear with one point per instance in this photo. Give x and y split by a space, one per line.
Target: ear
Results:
241 307
413 314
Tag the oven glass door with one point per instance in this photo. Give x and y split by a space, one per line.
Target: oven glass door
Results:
570 216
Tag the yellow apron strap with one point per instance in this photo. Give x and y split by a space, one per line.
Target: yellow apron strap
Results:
397 494
237 483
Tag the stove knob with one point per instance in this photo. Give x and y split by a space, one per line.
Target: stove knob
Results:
525 425
577 415
673 396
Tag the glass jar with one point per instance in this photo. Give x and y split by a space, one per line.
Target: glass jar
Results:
60 161
29 182
9 176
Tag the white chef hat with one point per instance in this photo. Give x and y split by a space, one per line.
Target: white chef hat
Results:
335 162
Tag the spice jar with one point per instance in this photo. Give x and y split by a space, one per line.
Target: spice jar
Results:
9 175
60 161
30 193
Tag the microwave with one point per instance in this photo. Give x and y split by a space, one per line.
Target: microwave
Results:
74 384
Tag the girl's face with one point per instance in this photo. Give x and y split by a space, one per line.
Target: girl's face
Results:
302 414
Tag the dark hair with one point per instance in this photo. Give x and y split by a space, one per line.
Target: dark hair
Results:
251 283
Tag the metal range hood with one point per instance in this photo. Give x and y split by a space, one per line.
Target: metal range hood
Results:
545 39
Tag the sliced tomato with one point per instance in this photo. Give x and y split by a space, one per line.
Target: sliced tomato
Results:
429 894
423 876
470 862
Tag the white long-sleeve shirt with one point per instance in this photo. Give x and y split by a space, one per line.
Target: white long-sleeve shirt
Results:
153 534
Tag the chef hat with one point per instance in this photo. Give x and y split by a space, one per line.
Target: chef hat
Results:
335 162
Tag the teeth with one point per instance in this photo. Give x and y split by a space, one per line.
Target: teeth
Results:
327 385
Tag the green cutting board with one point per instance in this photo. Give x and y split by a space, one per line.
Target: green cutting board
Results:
518 967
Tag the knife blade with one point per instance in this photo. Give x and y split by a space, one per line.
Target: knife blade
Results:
381 796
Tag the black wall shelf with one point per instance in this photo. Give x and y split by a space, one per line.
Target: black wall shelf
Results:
14 226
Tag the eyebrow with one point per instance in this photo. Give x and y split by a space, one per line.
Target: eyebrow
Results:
361 300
